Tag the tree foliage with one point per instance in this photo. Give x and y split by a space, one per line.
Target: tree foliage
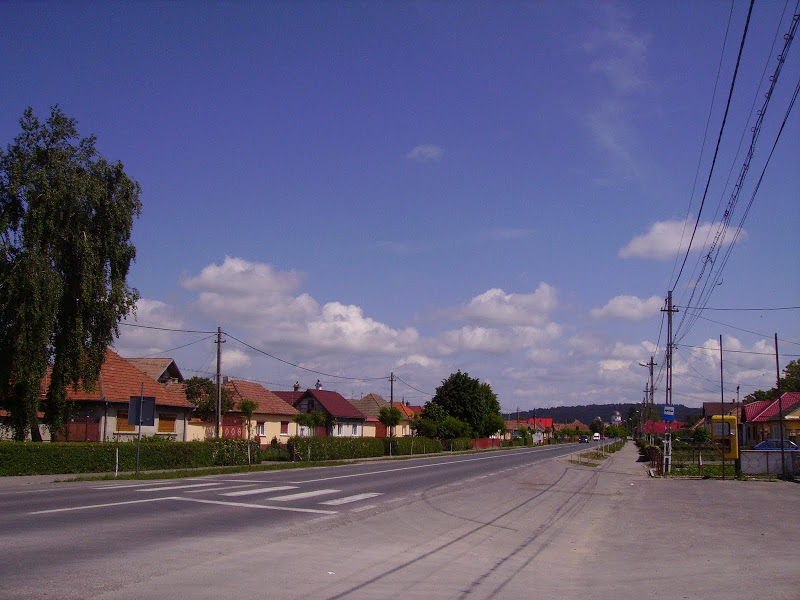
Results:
390 416
470 401
202 392
312 420
247 407
790 382
66 216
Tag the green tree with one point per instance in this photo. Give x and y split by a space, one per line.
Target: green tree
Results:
312 420
66 216
468 400
701 436
202 392
390 417
596 426
454 428
790 382
247 407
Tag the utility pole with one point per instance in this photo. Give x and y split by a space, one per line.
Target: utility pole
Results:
668 392
391 403
722 406
219 382
780 405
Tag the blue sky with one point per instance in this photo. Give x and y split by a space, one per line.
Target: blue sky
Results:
419 187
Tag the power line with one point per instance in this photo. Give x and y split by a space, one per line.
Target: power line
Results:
413 388
737 351
265 353
165 328
739 309
719 142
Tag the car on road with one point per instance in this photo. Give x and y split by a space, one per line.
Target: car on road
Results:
776 445
596 437
584 439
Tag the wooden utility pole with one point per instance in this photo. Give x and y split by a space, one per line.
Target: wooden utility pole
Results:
219 383
668 393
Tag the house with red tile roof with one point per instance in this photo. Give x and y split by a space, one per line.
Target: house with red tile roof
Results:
102 413
762 419
371 405
344 419
163 370
272 418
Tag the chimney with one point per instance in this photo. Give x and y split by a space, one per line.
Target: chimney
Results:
296 386
319 385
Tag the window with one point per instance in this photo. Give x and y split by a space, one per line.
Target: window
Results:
261 429
166 423
355 429
341 428
284 427
122 421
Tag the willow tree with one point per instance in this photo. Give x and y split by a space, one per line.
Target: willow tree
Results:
65 224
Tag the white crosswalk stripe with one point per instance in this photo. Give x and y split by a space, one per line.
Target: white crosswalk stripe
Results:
179 487
349 499
268 490
302 495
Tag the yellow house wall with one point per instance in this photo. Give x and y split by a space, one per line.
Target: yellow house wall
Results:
272 428
370 430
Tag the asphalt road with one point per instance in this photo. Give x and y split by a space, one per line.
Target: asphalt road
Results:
517 523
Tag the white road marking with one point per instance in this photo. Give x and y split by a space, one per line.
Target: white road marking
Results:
143 484
302 495
349 499
260 506
179 487
88 506
363 508
279 488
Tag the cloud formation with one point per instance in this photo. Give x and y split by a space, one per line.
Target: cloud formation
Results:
630 308
426 153
495 307
666 239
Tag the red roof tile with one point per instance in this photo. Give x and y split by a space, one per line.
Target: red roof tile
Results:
119 380
334 403
268 403
768 410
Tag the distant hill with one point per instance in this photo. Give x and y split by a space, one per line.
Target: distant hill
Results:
588 413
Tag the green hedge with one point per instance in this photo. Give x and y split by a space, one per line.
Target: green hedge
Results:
334 448
50 458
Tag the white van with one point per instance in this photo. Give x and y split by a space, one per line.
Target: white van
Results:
596 437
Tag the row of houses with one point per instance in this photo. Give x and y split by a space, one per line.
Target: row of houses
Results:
102 414
758 421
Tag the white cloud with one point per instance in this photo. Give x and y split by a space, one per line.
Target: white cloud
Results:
630 308
235 359
426 153
257 297
495 307
419 360
144 341
240 276
666 239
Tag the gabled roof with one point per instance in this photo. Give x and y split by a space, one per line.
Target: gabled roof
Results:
334 403
370 405
268 403
160 369
407 411
768 410
289 397
417 410
716 408
119 380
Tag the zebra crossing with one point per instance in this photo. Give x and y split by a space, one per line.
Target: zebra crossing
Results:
282 494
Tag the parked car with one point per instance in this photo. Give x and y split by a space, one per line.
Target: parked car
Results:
584 439
596 437
776 445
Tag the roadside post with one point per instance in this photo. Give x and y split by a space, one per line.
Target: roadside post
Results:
141 412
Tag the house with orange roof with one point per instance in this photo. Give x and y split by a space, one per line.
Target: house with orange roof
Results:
273 418
102 414
371 405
